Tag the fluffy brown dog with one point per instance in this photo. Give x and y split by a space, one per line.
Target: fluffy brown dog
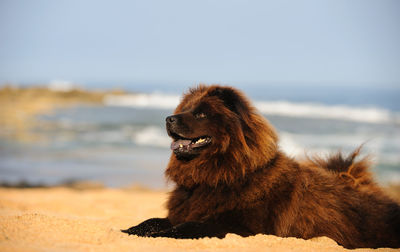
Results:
231 177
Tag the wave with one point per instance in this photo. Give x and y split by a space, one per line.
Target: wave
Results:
154 100
152 136
314 110
279 108
62 85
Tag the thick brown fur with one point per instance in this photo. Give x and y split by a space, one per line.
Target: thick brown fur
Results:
242 183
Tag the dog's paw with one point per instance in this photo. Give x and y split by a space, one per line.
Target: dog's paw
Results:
148 227
135 230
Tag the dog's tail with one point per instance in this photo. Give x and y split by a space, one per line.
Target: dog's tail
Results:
347 168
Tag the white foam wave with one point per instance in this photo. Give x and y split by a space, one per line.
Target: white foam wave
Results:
313 110
289 145
62 85
155 100
281 108
152 136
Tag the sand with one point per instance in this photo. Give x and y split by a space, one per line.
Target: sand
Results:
67 219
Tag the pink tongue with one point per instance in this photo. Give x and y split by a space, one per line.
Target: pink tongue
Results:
175 145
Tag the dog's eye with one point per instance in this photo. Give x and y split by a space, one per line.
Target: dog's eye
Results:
200 115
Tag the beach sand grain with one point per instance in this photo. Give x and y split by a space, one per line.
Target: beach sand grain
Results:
67 219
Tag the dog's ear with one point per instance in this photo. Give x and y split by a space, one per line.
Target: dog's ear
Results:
232 99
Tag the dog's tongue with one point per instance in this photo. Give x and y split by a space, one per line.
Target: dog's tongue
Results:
180 144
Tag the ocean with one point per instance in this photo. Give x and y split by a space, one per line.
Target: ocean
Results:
124 142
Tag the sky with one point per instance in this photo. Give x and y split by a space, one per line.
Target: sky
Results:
319 42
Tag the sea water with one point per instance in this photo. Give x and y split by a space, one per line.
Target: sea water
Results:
124 142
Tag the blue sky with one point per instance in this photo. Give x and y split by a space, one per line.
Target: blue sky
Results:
336 42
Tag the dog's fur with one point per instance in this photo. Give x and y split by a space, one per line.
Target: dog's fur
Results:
240 182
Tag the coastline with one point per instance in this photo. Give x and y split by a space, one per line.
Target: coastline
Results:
19 106
89 219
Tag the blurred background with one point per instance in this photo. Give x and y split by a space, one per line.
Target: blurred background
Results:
85 85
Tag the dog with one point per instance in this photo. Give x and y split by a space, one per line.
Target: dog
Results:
231 177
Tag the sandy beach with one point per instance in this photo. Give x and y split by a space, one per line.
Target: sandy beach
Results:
74 219
253 117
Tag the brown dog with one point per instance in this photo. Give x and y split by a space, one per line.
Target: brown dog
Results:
231 177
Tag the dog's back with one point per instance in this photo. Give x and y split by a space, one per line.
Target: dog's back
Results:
367 217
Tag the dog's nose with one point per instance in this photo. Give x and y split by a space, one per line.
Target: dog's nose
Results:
170 119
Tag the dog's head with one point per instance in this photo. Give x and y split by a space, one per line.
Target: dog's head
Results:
190 131
217 126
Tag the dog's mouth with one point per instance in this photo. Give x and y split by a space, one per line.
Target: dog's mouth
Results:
187 145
